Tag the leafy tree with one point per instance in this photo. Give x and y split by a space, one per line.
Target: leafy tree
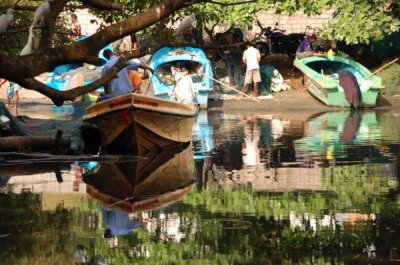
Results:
354 21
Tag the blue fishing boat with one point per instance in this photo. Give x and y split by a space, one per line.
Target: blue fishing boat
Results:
172 63
58 78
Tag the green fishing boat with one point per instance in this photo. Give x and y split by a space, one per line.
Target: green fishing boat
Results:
322 79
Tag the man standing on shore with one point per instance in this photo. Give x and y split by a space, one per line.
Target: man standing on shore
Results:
233 57
251 57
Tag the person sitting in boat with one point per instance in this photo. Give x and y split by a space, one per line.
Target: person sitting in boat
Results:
136 81
306 47
184 87
121 84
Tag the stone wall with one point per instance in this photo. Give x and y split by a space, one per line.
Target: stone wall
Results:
291 24
295 23
84 18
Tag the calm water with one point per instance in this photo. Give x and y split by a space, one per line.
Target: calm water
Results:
294 188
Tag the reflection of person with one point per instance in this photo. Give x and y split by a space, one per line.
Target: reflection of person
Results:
75 27
233 59
306 49
121 84
81 256
251 57
251 152
118 223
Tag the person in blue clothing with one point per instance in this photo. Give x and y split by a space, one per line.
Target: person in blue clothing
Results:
121 84
306 47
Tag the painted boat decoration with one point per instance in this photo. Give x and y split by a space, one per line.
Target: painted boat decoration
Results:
135 124
193 60
321 77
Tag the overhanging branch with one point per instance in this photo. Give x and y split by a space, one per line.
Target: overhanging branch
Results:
102 4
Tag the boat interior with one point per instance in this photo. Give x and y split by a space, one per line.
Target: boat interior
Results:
194 69
332 68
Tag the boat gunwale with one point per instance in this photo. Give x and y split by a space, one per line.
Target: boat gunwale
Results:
303 67
134 107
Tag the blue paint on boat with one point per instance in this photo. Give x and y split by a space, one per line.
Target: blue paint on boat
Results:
188 57
54 79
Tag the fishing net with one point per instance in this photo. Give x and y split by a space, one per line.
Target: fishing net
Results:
264 87
66 118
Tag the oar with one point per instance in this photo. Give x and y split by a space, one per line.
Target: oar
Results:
386 65
234 89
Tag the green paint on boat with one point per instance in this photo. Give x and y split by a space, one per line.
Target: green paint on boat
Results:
322 81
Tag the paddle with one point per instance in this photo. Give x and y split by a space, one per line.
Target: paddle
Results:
234 89
381 68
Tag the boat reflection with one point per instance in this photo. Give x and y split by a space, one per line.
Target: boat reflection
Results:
276 153
337 134
143 185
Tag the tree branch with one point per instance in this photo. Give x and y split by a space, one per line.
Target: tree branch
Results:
102 4
58 97
23 69
56 7
18 7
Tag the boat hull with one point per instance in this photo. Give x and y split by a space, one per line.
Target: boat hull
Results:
335 98
137 124
327 89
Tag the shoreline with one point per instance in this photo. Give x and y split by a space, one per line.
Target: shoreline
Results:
287 101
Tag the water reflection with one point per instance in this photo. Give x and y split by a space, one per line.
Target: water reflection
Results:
260 189
145 184
334 134
330 175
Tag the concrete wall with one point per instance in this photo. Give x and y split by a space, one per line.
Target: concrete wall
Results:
295 23
84 18
292 24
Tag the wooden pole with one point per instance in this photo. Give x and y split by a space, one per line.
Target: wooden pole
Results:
386 65
234 89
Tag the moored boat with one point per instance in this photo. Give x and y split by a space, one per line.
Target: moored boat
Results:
136 124
322 79
194 61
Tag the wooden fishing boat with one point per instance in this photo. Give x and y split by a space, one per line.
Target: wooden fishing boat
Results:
193 60
146 184
134 124
321 77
